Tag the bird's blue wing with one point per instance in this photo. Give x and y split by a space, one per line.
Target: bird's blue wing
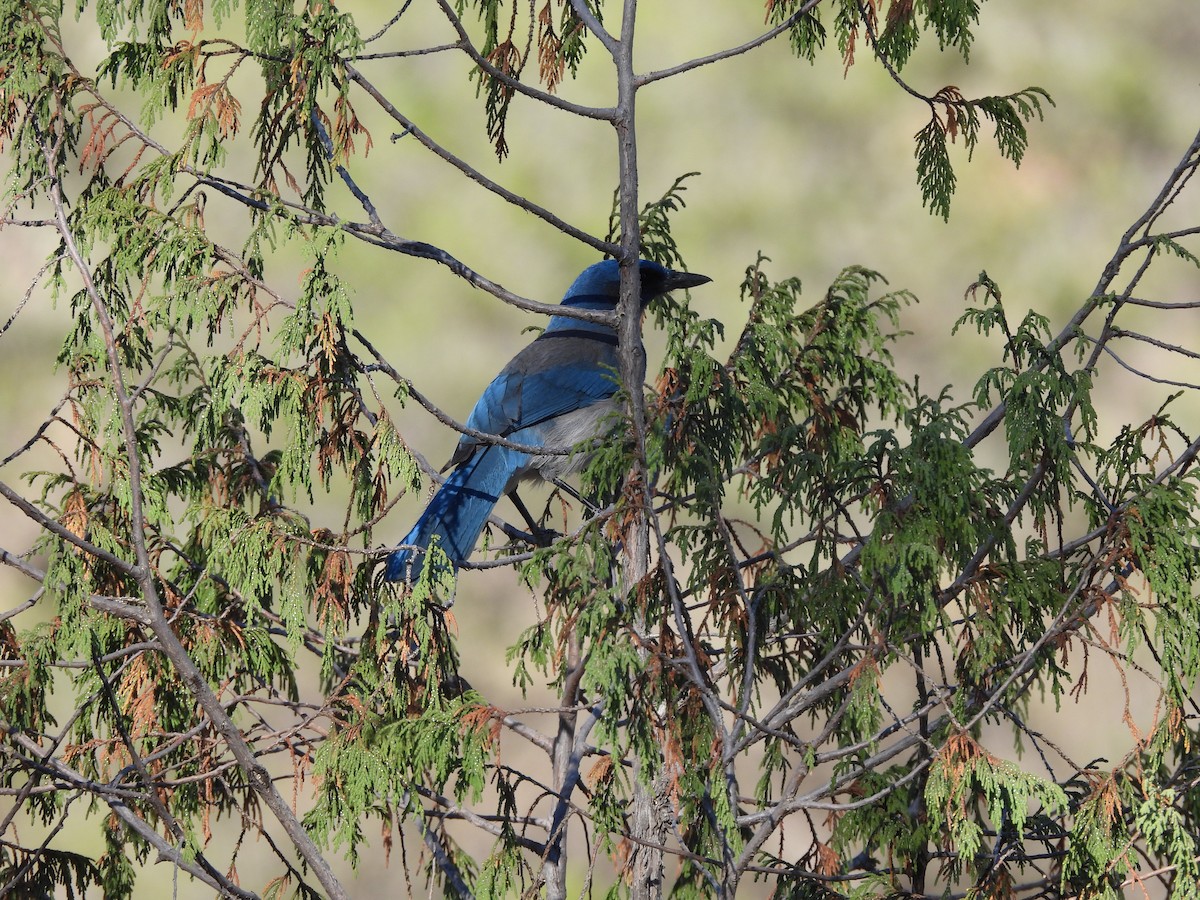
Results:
556 374
554 392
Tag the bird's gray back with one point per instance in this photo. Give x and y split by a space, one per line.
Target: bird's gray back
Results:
561 373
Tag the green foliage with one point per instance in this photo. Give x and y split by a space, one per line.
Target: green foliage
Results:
117 873
1100 845
843 602
952 115
654 227
1162 532
1167 833
505 57
893 41
963 775
40 873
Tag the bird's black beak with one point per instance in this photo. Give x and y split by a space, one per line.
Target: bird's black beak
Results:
676 280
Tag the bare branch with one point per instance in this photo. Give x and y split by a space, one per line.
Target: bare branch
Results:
410 128
752 44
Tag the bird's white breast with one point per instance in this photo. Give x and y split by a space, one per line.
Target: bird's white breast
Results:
564 432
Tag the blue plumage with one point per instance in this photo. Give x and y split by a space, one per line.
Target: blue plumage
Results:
555 393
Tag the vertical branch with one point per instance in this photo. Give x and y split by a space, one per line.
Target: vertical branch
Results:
565 774
649 825
629 330
712 703
650 820
921 858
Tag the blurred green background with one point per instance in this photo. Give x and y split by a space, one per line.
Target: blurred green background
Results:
809 165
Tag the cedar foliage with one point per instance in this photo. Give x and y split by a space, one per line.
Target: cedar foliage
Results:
820 529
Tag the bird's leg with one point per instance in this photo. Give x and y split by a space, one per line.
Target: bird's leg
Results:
591 506
540 537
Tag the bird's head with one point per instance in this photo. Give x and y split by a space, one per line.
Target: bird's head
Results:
599 285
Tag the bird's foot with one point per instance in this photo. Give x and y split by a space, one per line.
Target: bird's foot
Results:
543 537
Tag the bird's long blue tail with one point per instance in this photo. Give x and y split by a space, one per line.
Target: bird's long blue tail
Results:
458 511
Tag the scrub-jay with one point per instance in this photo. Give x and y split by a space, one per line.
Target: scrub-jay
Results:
555 393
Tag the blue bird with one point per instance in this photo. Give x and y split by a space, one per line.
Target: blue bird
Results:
555 393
